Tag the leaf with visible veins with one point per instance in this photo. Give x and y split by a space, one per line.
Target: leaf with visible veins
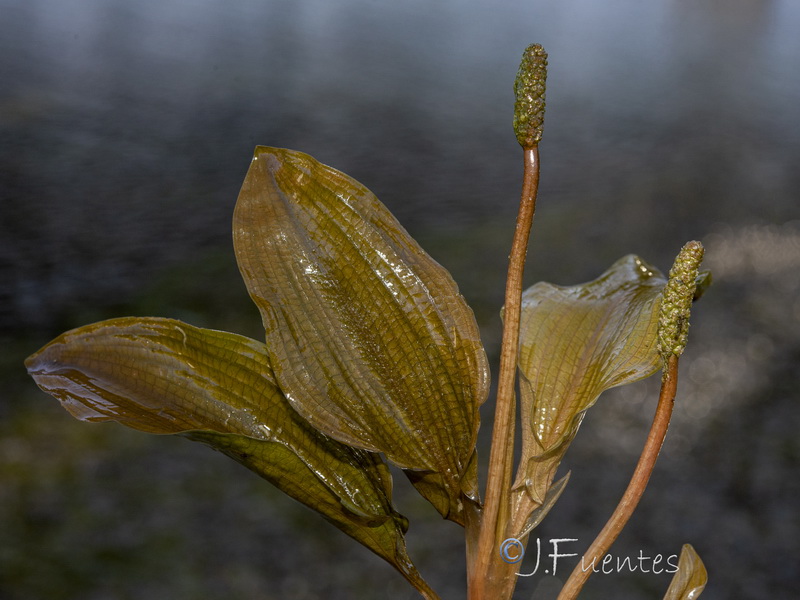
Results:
691 577
164 376
368 336
575 343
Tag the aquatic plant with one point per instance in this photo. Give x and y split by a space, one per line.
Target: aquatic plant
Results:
371 355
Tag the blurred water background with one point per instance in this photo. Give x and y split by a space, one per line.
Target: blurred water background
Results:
126 127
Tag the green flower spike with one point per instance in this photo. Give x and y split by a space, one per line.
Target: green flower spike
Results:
676 303
529 87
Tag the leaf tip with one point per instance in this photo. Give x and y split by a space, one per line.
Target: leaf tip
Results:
43 361
691 577
31 363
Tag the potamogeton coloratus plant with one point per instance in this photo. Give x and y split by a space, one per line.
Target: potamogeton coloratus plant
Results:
372 355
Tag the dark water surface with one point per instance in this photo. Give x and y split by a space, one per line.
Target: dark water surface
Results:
126 127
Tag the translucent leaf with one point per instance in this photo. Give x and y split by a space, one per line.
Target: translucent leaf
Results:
551 497
368 336
576 342
164 376
690 579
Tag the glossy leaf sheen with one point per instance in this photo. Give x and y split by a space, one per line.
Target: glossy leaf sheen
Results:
576 342
541 511
690 579
164 376
368 336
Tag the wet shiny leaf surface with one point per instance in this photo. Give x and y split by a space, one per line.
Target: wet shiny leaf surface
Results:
691 577
164 376
368 336
576 342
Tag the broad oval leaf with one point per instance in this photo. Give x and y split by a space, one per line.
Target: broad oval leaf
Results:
368 336
575 343
691 577
164 376
578 341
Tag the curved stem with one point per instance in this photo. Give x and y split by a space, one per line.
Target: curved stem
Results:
638 483
501 456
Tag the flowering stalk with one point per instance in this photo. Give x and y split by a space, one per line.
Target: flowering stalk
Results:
488 575
673 330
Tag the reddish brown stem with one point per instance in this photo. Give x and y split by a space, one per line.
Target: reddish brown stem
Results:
498 486
630 499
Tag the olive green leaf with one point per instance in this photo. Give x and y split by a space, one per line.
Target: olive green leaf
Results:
576 342
691 577
368 336
164 376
